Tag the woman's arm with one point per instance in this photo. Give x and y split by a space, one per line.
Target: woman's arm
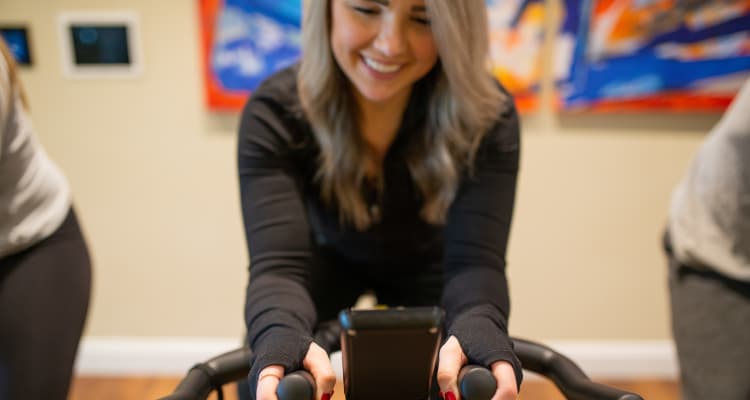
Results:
476 235
279 311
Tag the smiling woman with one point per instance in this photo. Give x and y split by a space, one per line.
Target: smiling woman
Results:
386 161
464 99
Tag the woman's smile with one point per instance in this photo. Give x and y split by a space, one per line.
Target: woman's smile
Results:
382 69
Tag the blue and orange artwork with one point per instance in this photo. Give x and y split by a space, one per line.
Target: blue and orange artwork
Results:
244 42
635 55
516 41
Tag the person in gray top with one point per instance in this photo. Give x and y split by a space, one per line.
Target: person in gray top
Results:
45 271
708 248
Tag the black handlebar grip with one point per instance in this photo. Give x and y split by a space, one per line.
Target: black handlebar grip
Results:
299 385
476 383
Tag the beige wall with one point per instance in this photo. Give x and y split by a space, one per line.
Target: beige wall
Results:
154 181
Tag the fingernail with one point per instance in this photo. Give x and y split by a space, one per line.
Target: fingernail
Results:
441 395
326 396
450 396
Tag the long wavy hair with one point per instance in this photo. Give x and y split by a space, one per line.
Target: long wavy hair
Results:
464 101
15 83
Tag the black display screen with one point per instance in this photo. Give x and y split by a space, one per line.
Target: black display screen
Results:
100 45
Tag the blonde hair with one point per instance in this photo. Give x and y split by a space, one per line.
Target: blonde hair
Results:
15 83
464 102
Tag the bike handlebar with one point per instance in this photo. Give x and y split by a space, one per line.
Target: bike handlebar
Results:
567 376
205 377
474 385
298 385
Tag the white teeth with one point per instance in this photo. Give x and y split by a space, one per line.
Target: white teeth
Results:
383 68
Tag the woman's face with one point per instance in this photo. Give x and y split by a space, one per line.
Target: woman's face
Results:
383 46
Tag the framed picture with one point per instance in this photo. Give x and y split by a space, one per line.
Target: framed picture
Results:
516 29
665 55
100 44
244 42
17 39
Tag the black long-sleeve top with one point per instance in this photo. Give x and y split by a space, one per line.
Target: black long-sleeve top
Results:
285 218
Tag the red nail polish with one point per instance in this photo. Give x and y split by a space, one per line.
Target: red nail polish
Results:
441 395
326 396
450 396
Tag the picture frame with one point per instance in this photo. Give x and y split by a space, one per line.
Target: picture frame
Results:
18 40
100 45
666 56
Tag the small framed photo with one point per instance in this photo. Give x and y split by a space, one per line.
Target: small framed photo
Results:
100 44
17 39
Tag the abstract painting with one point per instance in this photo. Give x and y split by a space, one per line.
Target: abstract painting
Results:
637 55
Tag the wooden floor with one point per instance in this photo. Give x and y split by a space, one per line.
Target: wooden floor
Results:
146 388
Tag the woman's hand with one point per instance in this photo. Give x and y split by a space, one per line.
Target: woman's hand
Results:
316 362
452 358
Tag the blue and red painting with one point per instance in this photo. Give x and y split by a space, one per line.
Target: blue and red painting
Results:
635 55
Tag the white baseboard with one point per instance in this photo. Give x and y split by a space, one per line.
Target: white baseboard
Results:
171 356
168 356
621 359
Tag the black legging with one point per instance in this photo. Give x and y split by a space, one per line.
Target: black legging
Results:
44 297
